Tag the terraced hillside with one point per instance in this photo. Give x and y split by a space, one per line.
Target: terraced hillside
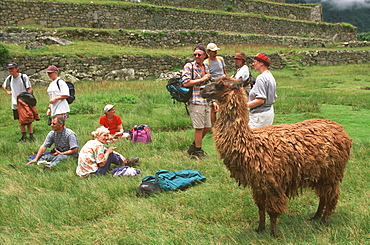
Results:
164 24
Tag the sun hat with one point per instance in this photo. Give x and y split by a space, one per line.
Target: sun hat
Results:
240 56
108 108
212 47
12 65
52 68
263 58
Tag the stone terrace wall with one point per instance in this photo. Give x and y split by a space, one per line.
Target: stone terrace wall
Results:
300 12
143 67
135 16
157 39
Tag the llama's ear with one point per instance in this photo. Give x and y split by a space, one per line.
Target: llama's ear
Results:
237 84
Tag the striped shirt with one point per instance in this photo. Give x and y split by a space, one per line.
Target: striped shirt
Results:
188 75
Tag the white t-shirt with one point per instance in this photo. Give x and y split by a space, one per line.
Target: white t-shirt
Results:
60 106
242 72
17 87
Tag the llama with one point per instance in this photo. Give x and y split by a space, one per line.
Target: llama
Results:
278 160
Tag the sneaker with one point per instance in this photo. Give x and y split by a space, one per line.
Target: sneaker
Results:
191 149
199 154
43 164
131 162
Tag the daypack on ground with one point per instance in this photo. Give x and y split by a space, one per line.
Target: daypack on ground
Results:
141 134
72 91
177 91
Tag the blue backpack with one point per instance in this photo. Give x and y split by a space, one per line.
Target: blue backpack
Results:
71 88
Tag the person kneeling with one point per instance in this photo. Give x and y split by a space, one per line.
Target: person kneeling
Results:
95 158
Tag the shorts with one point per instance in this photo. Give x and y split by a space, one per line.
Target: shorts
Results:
261 119
200 116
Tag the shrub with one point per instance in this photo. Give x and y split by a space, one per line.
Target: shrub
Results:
4 54
364 36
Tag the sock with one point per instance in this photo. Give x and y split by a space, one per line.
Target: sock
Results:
31 134
198 149
24 134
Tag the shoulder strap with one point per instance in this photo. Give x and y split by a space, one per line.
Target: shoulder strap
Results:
208 62
58 84
24 82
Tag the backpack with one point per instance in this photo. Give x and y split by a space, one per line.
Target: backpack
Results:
141 134
177 91
148 188
218 57
71 88
26 97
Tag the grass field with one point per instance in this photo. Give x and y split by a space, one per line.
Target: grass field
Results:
57 207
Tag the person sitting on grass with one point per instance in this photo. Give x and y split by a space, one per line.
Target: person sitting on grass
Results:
95 158
64 140
114 123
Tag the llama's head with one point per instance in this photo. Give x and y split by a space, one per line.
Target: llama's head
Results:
222 85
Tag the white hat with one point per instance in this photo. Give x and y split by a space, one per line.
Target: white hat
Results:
212 47
108 108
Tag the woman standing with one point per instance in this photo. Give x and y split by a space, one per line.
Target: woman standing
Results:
95 158
58 91
263 94
243 71
195 74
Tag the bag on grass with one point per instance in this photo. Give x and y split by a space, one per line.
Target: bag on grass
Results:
141 134
148 188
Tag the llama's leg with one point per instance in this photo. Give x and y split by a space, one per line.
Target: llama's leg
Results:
331 202
320 209
273 222
260 199
262 217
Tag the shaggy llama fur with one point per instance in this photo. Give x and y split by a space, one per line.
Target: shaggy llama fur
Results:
278 160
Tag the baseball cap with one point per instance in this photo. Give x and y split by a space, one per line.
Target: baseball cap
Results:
263 58
12 65
52 68
108 108
240 56
212 47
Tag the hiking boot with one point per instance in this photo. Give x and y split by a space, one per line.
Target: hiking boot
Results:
191 149
132 162
199 154
32 139
23 139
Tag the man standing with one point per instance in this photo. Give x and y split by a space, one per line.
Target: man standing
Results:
263 94
64 140
15 84
58 91
217 68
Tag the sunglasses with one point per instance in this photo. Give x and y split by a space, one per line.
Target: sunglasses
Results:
53 123
197 55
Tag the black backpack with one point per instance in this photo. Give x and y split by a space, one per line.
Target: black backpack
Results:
148 188
71 88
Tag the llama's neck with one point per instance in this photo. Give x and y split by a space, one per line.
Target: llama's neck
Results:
233 112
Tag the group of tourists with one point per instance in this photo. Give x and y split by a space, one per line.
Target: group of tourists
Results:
207 66
93 158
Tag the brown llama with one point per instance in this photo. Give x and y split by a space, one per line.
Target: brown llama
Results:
278 160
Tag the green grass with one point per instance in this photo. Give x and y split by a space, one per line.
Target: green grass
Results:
57 207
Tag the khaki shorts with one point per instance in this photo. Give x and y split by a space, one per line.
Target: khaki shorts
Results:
200 116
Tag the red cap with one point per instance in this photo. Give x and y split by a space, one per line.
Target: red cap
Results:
263 58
